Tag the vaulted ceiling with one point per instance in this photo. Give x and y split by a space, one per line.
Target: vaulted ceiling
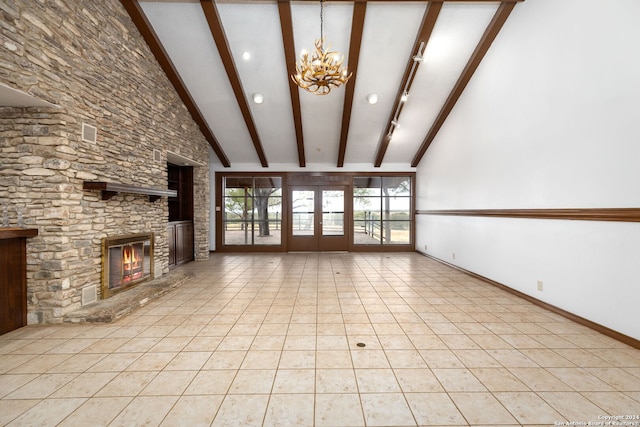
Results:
219 54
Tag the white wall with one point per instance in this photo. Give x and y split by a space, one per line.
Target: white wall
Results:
549 120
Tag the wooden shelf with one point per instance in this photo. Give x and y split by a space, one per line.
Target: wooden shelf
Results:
16 232
110 189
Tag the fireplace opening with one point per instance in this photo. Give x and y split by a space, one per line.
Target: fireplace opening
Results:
126 261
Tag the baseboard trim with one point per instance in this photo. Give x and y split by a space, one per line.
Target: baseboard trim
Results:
625 339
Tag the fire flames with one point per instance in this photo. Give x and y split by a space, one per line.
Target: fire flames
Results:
131 263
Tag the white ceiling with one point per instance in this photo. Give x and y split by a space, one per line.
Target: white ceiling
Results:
390 30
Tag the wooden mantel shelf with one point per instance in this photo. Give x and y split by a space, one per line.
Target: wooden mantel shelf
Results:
110 189
16 232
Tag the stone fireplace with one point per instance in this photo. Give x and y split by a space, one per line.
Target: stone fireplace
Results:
126 261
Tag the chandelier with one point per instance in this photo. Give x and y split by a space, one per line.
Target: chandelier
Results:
321 71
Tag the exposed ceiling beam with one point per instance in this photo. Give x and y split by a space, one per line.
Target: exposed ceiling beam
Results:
426 28
494 27
286 24
213 19
153 41
357 25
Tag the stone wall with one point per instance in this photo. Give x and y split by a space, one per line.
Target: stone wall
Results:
88 58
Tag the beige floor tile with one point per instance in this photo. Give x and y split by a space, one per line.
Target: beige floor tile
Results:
338 410
97 411
40 365
241 410
294 381
290 410
151 362
188 361
336 381
547 358
127 384
498 379
332 342
236 343
48 412
417 380
539 379
476 359
369 358
300 342
616 378
11 382
197 410
297 360
203 343
399 359
386 409
253 381
572 405
144 410
84 385
427 342
169 383
211 382
528 408
482 408
512 358
41 386
138 345
11 409
333 359
490 342
580 379
377 381
441 359
458 380
106 345
268 342
225 360
261 359
613 402
435 409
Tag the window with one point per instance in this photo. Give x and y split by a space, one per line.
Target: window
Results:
252 211
382 210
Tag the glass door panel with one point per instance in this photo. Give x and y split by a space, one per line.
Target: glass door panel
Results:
333 212
303 212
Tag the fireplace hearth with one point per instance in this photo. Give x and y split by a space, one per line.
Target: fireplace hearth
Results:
126 261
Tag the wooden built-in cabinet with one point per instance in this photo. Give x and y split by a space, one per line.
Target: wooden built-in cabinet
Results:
13 277
180 235
180 227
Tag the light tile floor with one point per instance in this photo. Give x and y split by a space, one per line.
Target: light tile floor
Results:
273 339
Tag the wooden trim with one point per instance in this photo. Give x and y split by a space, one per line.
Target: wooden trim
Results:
153 41
633 342
17 232
290 179
110 189
416 1
357 26
586 214
426 28
494 27
286 25
215 25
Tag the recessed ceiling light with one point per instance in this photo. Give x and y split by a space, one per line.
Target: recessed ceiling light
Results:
246 55
372 98
258 98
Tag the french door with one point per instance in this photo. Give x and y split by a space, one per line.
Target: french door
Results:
318 218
